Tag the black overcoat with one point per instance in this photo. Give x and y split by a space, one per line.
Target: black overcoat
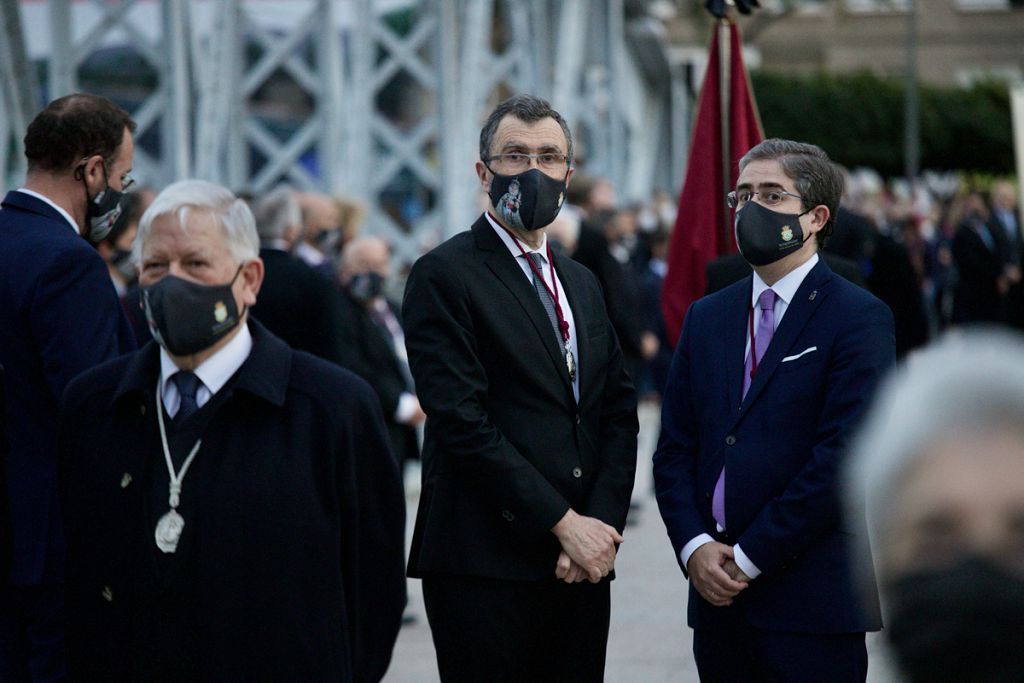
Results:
298 530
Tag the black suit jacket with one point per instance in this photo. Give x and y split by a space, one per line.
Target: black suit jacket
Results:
369 352
300 305
297 541
508 451
979 268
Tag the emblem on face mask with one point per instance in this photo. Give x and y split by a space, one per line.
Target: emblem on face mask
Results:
508 206
220 312
561 198
787 233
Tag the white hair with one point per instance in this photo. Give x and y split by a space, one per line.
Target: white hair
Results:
183 197
277 213
967 381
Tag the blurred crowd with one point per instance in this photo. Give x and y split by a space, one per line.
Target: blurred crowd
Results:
942 253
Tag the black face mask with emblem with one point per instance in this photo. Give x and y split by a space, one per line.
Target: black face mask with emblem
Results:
187 317
765 236
527 201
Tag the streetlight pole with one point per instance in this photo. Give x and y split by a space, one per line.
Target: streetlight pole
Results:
911 132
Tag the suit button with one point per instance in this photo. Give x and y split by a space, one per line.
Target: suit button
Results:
707 496
142 409
578 418
125 480
577 472
108 594
730 440
507 515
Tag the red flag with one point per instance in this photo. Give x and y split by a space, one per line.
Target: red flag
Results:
699 234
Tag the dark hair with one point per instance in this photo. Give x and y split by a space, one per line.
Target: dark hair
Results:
526 108
74 127
817 179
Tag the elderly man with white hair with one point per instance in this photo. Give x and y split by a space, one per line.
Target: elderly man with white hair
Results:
938 472
233 508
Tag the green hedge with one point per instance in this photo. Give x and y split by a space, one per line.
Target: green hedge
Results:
858 120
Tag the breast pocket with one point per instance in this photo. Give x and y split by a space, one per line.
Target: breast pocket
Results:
801 359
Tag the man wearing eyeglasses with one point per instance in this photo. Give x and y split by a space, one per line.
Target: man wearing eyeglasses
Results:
531 425
59 316
770 377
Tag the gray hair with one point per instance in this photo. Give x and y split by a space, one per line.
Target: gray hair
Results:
276 213
528 109
817 179
967 381
186 196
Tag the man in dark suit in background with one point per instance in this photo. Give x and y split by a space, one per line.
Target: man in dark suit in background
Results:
297 303
233 509
374 341
978 254
59 316
1004 223
770 377
531 425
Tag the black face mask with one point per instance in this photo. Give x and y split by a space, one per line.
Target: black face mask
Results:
765 236
187 317
103 210
366 286
528 201
961 623
329 242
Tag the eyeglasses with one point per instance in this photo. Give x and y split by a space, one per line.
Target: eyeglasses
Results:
768 197
517 162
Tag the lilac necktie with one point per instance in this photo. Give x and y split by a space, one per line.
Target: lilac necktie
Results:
762 337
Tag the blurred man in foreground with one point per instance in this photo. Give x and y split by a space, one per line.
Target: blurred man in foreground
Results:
939 474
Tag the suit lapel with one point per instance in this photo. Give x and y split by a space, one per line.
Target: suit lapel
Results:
735 336
501 262
813 290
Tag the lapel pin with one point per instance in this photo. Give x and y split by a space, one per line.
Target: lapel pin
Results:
125 480
813 294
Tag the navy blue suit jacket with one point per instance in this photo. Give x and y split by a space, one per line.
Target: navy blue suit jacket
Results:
781 445
59 316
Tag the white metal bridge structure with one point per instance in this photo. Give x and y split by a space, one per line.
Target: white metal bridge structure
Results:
378 100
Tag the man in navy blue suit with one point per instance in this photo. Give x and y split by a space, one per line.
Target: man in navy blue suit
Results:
770 377
59 316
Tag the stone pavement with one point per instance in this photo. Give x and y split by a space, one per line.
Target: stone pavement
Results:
649 641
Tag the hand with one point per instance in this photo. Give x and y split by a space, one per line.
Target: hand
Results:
708 575
734 572
569 571
588 542
649 345
417 416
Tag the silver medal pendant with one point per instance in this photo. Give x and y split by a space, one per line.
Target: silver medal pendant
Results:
570 364
168 531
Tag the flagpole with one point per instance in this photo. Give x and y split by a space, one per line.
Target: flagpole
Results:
724 75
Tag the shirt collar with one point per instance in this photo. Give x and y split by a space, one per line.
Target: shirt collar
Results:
215 371
61 211
785 288
505 237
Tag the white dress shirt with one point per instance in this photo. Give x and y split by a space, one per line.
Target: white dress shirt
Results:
785 289
213 373
62 212
546 273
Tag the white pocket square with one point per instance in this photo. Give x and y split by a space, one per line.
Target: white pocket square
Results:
802 353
